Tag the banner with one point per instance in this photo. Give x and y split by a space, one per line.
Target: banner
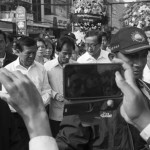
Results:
21 20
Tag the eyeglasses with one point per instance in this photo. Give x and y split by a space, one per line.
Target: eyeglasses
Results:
93 45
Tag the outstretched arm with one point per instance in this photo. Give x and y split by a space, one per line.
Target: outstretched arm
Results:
24 97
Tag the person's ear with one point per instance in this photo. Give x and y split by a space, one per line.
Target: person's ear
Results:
111 56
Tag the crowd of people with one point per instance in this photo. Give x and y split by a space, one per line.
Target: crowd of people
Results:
32 101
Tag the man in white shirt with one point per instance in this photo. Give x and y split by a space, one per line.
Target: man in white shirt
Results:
35 71
65 46
94 54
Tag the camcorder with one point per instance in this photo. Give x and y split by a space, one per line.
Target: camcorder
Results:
90 89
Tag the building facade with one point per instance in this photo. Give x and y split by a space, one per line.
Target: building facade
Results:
51 16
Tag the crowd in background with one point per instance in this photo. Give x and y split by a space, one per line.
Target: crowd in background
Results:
49 51
42 60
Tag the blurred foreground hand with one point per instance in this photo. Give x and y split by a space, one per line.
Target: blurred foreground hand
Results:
24 97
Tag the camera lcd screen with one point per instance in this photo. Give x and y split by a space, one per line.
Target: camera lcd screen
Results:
90 81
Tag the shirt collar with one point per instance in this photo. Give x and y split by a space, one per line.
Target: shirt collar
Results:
17 64
56 62
103 54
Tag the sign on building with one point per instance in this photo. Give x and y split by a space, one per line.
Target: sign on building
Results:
21 20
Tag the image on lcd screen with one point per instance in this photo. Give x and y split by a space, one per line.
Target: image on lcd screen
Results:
90 81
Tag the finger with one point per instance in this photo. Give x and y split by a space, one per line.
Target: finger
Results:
4 96
128 72
117 60
6 79
22 78
131 95
124 115
125 65
123 85
8 73
19 75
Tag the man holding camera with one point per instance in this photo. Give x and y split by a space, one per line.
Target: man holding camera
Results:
131 45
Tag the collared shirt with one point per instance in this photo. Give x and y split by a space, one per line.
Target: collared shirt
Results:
55 77
87 58
43 143
38 75
146 74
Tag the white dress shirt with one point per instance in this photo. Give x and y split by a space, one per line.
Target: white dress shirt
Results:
55 78
87 58
146 74
43 143
37 74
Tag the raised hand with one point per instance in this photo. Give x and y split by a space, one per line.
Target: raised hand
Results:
24 97
134 108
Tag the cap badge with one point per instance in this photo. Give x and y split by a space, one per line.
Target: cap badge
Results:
136 36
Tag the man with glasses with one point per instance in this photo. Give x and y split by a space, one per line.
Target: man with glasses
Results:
94 53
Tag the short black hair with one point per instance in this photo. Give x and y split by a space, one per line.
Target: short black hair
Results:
97 33
25 41
146 28
40 40
64 40
4 35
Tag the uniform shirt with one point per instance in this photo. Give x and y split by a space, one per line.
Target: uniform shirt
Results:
146 74
55 78
37 74
87 58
